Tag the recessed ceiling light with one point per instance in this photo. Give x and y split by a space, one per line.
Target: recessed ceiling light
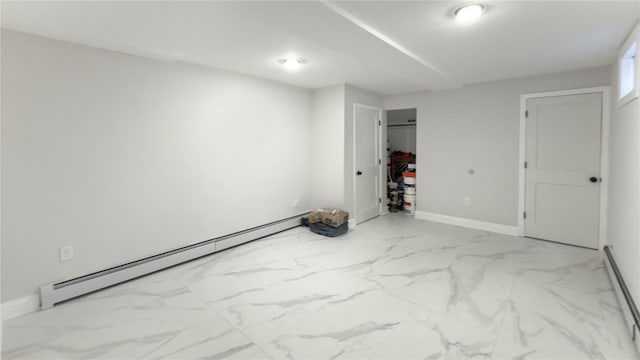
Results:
468 12
292 63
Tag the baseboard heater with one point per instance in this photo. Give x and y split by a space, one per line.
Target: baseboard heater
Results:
51 294
629 308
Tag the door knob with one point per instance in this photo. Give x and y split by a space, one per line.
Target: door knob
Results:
593 179
359 172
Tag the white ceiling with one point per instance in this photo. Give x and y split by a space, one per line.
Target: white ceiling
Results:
384 46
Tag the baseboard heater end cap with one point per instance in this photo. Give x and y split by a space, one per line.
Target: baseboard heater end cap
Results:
46 296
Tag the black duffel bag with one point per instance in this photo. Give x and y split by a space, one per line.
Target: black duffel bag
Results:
326 230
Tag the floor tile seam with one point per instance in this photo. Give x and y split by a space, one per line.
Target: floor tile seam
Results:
362 280
178 279
449 317
260 349
415 251
323 268
129 341
411 248
388 292
213 310
520 278
144 282
604 319
591 336
314 268
507 295
458 256
325 305
292 326
603 323
595 293
311 263
395 328
296 258
287 252
551 285
329 305
233 326
504 316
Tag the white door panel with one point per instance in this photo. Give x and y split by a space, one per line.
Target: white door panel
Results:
367 178
563 145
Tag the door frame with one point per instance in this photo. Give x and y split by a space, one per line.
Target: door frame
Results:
604 153
354 168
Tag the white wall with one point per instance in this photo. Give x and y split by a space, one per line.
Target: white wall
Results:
624 187
477 127
332 134
400 116
354 95
327 147
125 157
401 138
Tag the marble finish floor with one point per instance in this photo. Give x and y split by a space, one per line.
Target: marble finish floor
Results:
392 288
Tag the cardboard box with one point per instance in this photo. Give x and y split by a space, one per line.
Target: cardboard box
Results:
314 217
336 218
331 217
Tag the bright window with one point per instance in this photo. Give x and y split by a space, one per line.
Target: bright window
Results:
628 70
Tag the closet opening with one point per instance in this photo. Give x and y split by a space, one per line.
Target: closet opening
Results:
401 160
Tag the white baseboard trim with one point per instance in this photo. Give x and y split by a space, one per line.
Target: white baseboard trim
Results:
352 223
468 223
19 307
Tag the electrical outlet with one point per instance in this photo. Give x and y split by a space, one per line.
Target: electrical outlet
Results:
467 201
66 253
295 203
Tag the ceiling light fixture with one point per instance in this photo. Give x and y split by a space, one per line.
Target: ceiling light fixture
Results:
292 63
469 12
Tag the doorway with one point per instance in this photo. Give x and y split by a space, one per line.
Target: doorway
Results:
368 162
401 160
563 161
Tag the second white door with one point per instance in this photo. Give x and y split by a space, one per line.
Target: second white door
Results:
563 144
367 162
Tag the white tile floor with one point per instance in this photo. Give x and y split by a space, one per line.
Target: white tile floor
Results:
394 287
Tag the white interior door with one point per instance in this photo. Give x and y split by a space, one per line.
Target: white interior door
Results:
367 162
562 193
